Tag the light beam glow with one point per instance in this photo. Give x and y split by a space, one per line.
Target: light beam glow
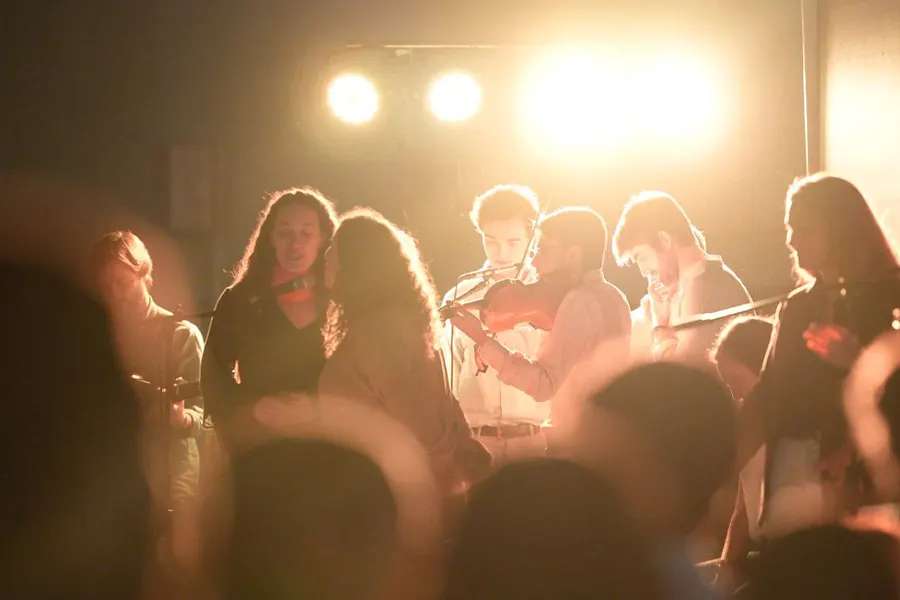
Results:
674 99
455 97
571 101
586 102
353 99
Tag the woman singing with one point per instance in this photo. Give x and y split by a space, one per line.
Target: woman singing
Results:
264 343
852 287
382 339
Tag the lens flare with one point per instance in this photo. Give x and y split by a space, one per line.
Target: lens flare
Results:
455 97
353 99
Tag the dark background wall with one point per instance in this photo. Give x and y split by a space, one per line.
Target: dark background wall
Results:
96 93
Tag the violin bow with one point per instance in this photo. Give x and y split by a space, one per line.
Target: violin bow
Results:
736 311
728 313
526 260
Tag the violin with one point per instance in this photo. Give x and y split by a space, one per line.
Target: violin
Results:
511 302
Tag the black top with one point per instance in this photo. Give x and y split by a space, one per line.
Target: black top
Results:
802 394
272 356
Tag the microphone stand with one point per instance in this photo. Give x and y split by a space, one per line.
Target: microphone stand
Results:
169 380
485 282
485 272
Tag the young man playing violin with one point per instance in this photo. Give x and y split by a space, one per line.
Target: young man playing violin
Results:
572 299
506 420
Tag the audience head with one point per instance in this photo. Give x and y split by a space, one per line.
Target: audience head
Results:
664 430
871 403
652 230
505 216
832 230
122 269
739 353
374 264
548 529
889 406
572 239
293 232
310 520
75 519
828 562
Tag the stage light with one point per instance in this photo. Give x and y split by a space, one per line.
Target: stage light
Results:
455 97
675 99
572 101
353 99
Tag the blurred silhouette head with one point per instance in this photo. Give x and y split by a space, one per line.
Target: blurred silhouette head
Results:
310 520
828 563
739 353
548 529
74 520
889 406
665 430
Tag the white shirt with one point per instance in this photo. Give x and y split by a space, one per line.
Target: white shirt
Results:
591 314
484 399
704 287
795 499
642 330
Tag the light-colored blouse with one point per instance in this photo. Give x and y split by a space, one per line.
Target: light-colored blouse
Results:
383 361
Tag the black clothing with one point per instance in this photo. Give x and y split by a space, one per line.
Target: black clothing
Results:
272 356
802 393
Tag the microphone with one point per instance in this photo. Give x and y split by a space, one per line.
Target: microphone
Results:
486 272
485 282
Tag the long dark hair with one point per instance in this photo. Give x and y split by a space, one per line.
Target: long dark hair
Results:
255 267
856 239
380 265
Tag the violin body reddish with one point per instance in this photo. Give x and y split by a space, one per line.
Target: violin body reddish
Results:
511 302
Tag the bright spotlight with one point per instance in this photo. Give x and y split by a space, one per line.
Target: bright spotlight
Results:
353 99
675 99
572 101
455 97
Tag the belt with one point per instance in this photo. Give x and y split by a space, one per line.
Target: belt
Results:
513 430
